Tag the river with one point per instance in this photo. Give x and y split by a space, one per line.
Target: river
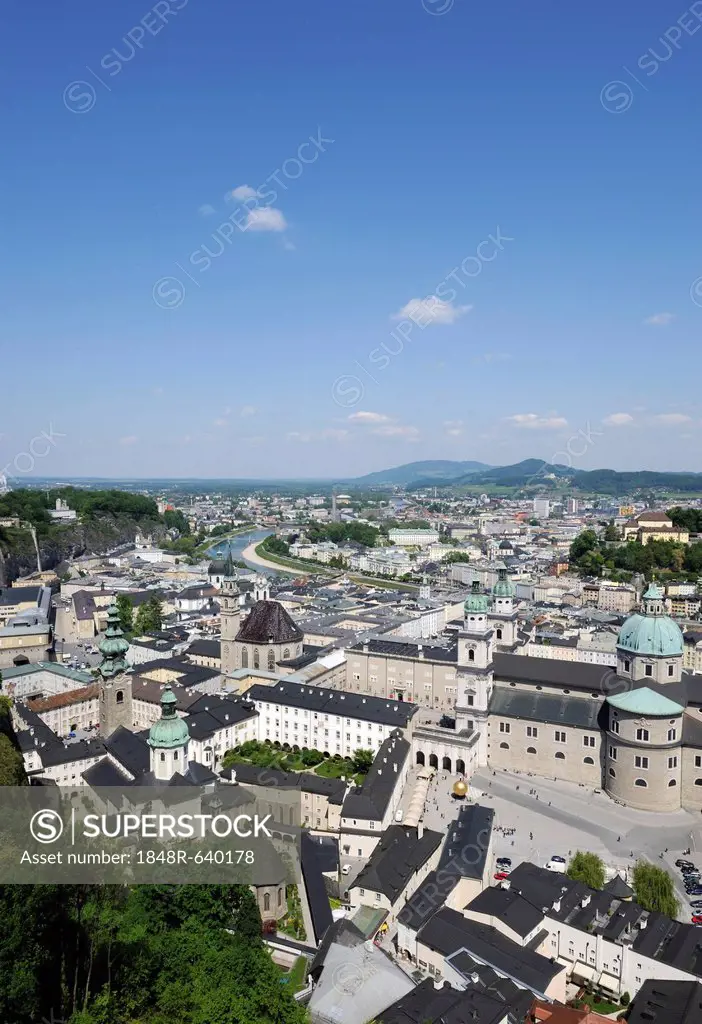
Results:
237 545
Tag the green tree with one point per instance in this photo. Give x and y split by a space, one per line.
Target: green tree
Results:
175 520
149 616
11 763
654 889
362 760
587 868
583 543
125 610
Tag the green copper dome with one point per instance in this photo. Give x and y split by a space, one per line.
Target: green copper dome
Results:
504 586
170 730
654 632
113 647
477 603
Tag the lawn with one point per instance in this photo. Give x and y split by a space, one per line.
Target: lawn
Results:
297 975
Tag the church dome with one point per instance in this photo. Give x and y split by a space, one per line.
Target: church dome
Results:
654 632
170 730
476 603
504 586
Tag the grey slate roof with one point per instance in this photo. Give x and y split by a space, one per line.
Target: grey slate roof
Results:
455 937
370 800
397 856
467 841
334 702
306 782
545 707
667 1002
428 1005
511 908
268 622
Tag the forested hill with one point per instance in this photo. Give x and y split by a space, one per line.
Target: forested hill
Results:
105 519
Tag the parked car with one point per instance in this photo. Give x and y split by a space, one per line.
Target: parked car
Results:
398 815
697 891
684 864
696 903
501 875
504 861
346 869
557 859
697 918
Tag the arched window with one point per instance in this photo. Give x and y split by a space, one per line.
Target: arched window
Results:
588 760
175 755
641 783
560 756
612 773
163 756
280 897
119 697
531 750
286 654
498 634
271 659
244 657
255 658
673 782
504 746
266 901
471 655
698 782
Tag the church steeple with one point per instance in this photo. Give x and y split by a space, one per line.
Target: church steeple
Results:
114 647
115 681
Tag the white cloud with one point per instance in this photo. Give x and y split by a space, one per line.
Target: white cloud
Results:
659 319
530 421
618 419
206 210
673 418
296 435
369 417
131 439
395 430
431 310
247 410
242 192
454 428
334 434
290 246
221 421
265 218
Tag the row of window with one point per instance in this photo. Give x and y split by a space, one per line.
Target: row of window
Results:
559 735
643 735
560 756
642 784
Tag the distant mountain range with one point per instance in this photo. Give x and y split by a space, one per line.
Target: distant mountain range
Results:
434 471
532 473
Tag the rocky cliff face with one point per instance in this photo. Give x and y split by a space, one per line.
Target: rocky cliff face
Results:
63 542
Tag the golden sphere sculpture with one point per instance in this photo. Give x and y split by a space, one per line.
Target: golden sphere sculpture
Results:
460 789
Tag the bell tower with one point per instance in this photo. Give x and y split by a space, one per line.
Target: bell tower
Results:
115 680
230 615
503 615
474 673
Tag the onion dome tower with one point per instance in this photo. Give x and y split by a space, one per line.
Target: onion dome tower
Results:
168 740
650 644
474 674
504 614
115 682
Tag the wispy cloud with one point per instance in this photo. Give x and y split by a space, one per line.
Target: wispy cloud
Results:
130 439
265 218
242 192
660 319
618 419
247 410
221 421
672 419
431 310
531 421
454 428
369 417
397 430
206 210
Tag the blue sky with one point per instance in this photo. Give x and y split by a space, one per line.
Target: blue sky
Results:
552 151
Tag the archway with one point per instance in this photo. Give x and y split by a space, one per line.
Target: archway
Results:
461 766
446 764
433 761
420 758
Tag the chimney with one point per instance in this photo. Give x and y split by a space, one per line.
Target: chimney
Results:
420 829
395 767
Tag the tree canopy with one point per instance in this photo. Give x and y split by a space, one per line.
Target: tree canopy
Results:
587 868
654 889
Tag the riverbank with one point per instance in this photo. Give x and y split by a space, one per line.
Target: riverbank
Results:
292 566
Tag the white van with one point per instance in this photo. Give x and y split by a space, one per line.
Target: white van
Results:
398 815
